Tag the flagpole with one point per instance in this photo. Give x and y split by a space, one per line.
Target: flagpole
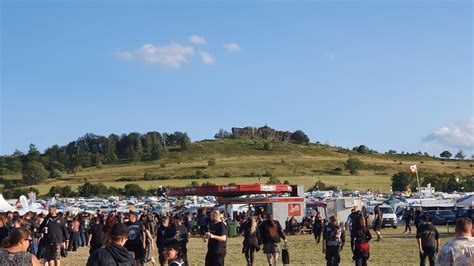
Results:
419 188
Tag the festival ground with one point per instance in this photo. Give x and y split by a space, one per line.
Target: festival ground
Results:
395 249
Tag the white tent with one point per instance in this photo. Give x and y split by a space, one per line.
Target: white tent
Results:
466 201
4 206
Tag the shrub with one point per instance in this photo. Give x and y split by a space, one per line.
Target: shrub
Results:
162 165
268 174
227 175
211 162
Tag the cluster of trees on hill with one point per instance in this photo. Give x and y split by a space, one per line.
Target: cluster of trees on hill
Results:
446 182
90 151
298 136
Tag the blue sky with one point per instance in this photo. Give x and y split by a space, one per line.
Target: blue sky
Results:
393 75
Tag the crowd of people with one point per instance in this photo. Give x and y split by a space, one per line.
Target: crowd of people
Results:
129 238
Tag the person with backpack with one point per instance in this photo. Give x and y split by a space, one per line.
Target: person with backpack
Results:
136 238
317 227
271 234
428 241
333 241
360 237
114 254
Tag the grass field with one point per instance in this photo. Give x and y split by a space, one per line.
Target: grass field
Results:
245 160
396 249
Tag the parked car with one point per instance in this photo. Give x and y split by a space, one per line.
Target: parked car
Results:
441 217
389 218
465 213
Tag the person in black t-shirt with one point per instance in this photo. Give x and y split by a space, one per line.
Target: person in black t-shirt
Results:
182 236
96 234
360 237
217 241
164 232
428 240
55 236
378 221
136 236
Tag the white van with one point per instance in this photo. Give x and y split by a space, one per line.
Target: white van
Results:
388 216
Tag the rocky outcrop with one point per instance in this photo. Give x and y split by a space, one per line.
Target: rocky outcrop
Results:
264 132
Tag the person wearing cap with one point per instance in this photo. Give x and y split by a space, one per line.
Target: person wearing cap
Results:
164 232
114 253
172 253
136 238
428 240
55 236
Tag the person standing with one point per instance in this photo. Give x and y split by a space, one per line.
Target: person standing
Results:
172 254
15 247
164 232
378 219
251 239
333 241
317 227
428 241
136 238
407 217
360 238
96 234
271 234
73 237
217 241
55 236
460 250
114 253
182 236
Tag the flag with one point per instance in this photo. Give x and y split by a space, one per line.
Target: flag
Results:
413 169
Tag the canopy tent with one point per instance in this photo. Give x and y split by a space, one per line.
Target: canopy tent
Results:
466 201
4 206
230 191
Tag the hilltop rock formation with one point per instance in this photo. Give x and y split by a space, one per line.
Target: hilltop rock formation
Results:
264 132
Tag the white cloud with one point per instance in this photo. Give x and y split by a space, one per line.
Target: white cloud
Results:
196 39
207 58
232 47
330 56
458 135
173 55
125 56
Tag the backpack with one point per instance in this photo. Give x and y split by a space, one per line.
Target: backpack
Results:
333 236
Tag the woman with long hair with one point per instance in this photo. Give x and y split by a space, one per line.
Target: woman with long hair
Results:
15 246
360 238
251 239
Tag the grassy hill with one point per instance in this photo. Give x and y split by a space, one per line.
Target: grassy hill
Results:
243 161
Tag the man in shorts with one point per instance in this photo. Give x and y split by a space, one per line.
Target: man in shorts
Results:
55 236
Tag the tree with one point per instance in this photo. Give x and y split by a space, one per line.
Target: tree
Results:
361 149
460 155
353 165
33 153
133 190
34 172
401 180
267 146
222 134
88 189
184 142
445 154
299 137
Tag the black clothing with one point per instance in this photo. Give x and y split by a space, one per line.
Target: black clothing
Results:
358 239
113 255
335 238
182 237
164 233
3 233
317 229
431 254
97 239
57 231
251 240
428 235
135 239
333 256
270 233
213 259
213 245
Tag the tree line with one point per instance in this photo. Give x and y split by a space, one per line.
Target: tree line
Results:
445 182
90 150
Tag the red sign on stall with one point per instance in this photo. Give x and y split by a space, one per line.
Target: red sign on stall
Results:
294 209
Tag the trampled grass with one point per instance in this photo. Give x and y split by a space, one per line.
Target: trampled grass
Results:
396 249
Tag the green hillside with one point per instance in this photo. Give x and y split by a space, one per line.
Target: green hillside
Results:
244 161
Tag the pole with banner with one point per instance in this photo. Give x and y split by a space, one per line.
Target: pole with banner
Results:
413 170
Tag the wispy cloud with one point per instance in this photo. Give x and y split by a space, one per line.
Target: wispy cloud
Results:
207 58
196 39
330 56
457 135
232 47
173 55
